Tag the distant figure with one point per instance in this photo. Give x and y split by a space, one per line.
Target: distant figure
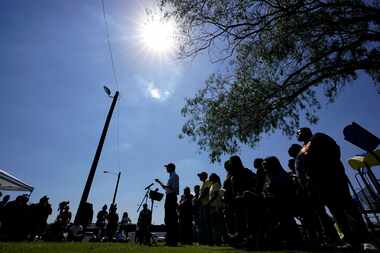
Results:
171 218
279 196
113 220
215 212
196 213
101 222
3 202
185 210
123 228
229 213
204 226
39 214
15 219
328 180
143 226
242 180
258 165
64 216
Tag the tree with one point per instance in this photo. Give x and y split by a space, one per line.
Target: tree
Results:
278 53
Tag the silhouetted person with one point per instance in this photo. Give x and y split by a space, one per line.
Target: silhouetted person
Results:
171 217
216 210
318 227
279 196
15 219
204 226
101 221
185 211
242 180
64 216
143 235
328 179
196 213
260 175
39 214
228 212
3 202
112 222
125 220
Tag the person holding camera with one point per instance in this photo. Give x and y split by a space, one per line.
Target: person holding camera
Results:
171 217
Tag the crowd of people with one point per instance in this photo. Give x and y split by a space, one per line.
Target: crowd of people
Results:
20 221
270 207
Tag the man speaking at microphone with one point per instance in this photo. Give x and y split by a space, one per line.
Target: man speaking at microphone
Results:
171 219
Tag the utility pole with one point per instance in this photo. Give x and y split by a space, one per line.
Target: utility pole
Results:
91 175
117 186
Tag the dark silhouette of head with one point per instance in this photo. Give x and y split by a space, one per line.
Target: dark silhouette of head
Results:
258 163
44 200
22 199
6 198
170 167
236 164
113 208
197 189
227 166
214 178
186 191
272 165
294 150
105 207
203 176
304 134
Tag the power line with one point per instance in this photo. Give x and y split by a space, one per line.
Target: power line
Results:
109 46
116 82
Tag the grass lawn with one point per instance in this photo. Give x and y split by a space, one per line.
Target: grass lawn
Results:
42 247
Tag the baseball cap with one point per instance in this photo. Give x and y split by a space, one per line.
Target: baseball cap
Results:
203 173
170 165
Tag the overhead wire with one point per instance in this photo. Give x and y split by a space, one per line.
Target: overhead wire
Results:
116 81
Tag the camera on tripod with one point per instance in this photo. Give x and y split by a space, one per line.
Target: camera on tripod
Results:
143 234
152 195
155 195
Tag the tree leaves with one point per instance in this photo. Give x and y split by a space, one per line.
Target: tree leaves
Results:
279 52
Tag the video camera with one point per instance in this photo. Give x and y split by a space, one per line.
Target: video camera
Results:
155 195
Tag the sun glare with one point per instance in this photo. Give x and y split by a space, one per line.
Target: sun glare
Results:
158 34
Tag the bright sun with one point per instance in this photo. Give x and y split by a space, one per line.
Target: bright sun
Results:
158 34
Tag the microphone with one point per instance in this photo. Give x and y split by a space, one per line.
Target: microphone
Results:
146 188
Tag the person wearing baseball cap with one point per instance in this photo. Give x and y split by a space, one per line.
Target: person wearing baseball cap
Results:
171 217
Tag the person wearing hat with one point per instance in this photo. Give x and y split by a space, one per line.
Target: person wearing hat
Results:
204 229
39 214
171 217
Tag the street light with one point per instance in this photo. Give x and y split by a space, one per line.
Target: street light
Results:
91 175
117 183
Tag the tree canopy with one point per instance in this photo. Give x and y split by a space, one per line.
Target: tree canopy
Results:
278 52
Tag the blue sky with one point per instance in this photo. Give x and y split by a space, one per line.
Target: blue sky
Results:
54 62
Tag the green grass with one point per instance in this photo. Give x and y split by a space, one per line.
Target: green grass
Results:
42 247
